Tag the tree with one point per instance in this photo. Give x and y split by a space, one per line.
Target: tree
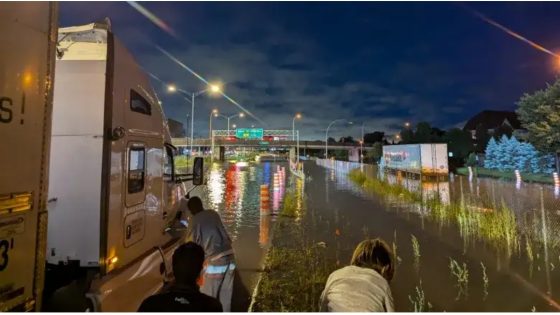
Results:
471 160
482 136
509 154
423 133
376 136
539 113
459 142
504 154
348 139
375 154
437 134
331 140
407 136
490 154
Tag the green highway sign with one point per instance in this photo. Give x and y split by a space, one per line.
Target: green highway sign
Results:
249 133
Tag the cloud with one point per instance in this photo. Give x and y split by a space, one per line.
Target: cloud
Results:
271 70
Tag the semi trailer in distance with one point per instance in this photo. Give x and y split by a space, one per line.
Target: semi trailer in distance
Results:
426 159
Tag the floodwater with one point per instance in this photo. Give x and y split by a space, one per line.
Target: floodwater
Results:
234 191
521 274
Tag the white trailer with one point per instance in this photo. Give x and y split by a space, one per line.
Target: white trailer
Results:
27 46
428 159
112 188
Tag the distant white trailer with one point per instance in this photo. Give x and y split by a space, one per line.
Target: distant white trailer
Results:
425 159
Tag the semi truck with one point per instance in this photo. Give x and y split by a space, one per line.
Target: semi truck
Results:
426 159
89 195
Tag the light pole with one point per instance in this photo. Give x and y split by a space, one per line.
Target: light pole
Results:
297 116
214 113
327 136
362 146
212 88
241 115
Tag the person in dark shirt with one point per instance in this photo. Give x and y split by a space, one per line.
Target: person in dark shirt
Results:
184 295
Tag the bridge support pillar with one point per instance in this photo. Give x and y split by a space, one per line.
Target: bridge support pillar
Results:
222 153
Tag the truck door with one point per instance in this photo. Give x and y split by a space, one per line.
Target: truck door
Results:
27 46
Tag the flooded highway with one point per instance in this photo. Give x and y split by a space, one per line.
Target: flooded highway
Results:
234 191
443 263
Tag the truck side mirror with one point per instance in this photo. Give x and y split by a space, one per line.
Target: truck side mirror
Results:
198 171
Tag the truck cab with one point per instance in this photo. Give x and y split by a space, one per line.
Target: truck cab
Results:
113 191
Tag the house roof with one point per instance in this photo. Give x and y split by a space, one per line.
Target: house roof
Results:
491 119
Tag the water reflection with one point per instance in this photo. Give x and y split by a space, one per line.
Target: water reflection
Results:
490 216
234 191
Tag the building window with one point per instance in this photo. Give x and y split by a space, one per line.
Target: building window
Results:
136 169
139 104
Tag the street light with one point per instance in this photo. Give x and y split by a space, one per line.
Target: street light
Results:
327 136
214 113
241 115
407 124
212 88
297 116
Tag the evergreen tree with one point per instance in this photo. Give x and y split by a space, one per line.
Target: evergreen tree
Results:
546 163
503 154
526 158
490 154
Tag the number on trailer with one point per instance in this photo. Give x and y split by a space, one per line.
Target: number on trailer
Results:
5 246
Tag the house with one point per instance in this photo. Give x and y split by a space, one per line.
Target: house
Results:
492 120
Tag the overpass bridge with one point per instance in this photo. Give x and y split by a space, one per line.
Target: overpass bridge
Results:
238 143
263 140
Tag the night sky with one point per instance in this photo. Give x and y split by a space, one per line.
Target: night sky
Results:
378 63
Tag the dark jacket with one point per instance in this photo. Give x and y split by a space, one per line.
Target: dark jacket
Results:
181 299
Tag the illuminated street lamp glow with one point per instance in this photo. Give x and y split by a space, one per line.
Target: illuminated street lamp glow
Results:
171 88
407 124
215 88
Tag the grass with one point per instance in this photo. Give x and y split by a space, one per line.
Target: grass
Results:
509 175
416 251
485 281
290 205
461 274
296 269
293 280
184 165
382 187
418 300
496 225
